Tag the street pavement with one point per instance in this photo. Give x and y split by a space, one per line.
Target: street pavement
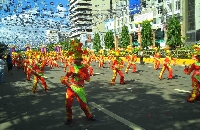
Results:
144 102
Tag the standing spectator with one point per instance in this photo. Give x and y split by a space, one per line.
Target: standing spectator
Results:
9 64
141 56
2 63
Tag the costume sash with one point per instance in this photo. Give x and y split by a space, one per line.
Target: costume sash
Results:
79 91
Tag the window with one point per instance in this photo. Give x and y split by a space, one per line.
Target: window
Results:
131 26
125 20
178 5
154 20
160 9
169 7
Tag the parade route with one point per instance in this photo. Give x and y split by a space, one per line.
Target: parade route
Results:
144 102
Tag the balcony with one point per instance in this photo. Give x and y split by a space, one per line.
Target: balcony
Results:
83 7
81 18
79 2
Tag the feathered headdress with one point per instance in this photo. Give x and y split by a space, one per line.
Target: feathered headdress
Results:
117 52
196 50
76 50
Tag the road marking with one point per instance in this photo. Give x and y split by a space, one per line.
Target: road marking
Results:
182 91
116 117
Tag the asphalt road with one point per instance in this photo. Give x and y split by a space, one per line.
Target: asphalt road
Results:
144 102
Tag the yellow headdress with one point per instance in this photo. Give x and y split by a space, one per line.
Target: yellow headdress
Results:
196 50
117 53
167 51
155 48
76 50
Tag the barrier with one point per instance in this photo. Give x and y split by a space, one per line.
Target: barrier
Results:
151 60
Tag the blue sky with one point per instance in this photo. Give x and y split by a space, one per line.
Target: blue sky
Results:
27 20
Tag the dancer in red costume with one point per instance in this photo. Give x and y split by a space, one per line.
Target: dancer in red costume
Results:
117 65
75 86
157 56
167 65
38 74
101 59
195 67
131 62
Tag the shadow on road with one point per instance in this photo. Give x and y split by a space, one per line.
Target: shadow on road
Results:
150 107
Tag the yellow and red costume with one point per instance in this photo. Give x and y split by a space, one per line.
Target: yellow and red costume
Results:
101 59
131 58
167 65
117 66
75 80
195 68
38 74
157 56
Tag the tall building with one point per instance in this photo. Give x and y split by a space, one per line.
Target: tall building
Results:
80 17
101 12
191 20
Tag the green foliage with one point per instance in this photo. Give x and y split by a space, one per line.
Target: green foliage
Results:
76 40
174 33
146 34
125 39
65 44
109 40
97 42
50 47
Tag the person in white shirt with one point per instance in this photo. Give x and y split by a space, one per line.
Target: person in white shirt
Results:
2 63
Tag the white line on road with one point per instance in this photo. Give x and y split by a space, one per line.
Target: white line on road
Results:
182 91
116 117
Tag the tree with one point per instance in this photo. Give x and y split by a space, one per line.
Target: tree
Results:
65 44
97 42
109 40
125 39
174 37
76 40
146 34
50 47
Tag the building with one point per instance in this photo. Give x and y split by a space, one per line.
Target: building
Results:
80 17
158 12
101 12
191 20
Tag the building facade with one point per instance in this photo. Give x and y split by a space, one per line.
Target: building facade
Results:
80 17
191 20
158 12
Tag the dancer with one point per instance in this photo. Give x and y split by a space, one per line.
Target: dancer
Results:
195 67
167 65
117 65
157 56
131 58
74 79
38 74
